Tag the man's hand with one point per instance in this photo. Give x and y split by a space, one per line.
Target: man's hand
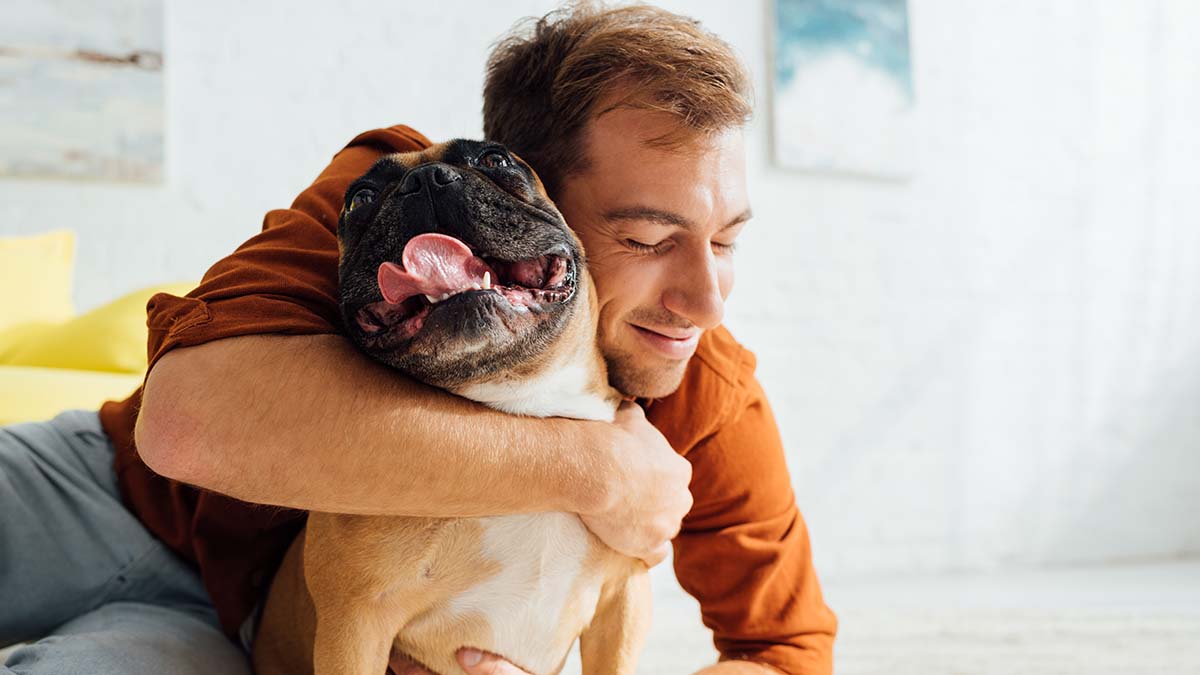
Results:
650 498
473 661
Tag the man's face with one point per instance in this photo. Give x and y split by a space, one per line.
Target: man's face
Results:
658 227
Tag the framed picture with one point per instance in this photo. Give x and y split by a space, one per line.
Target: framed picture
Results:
81 90
842 87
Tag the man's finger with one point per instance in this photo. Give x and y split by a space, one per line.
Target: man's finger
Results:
657 555
476 662
629 407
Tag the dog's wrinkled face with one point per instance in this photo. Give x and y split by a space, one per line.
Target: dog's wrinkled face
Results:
454 263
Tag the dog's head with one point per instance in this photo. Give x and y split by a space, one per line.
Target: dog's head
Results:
456 266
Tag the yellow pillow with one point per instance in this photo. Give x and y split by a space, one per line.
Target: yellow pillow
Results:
109 338
35 278
31 394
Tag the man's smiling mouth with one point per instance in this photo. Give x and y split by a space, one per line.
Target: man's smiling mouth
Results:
672 343
672 333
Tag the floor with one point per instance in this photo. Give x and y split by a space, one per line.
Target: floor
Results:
1129 619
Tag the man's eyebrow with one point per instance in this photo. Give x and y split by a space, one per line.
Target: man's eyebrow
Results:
661 217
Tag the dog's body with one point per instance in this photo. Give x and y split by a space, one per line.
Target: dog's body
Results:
354 588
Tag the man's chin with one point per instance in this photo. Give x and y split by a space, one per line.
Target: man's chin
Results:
633 378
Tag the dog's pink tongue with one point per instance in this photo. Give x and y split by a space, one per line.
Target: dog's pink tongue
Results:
434 265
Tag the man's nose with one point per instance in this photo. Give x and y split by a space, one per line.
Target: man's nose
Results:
696 292
429 177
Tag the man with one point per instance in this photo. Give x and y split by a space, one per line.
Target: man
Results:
633 117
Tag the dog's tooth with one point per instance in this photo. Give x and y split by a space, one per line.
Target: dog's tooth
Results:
487 281
431 299
445 295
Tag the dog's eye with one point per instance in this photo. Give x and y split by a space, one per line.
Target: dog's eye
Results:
362 197
494 159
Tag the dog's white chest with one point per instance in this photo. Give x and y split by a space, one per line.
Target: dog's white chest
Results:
547 582
542 596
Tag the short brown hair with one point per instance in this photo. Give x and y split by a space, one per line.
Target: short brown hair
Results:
546 77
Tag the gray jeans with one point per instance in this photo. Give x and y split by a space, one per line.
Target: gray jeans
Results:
81 576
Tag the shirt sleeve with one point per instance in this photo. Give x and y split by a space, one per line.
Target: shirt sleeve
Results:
743 550
284 279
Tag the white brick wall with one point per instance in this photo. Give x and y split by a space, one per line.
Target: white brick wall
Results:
995 363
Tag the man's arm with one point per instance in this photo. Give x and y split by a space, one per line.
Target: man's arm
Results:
307 422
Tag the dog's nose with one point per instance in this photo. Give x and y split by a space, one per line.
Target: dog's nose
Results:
429 176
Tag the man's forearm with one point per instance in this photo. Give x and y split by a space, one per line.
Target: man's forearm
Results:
309 423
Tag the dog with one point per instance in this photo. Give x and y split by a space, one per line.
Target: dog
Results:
457 269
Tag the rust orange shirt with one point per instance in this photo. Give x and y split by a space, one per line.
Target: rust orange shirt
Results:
743 551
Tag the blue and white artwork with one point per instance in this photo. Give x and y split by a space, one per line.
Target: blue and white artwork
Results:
81 89
843 91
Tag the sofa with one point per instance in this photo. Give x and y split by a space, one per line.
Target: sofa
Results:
52 358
